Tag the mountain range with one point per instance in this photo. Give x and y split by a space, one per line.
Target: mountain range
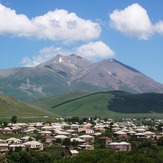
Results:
65 73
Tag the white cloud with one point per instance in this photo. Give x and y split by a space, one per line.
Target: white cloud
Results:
54 25
15 24
159 27
132 21
95 50
91 51
61 25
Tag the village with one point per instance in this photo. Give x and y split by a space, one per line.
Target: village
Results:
75 137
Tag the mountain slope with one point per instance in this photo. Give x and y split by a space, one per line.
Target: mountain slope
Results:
136 103
117 76
10 106
66 73
32 82
48 102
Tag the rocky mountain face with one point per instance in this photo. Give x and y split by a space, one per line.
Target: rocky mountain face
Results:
65 73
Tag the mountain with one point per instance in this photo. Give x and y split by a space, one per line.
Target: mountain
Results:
118 76
32 82
65 73
67 66
111 104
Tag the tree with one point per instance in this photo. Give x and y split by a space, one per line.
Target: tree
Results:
5 123
160 141
14 119
159 127
15 156
67 142
75 119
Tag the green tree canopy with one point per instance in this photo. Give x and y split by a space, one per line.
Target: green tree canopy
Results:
14 119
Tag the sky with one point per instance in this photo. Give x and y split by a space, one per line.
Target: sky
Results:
130 31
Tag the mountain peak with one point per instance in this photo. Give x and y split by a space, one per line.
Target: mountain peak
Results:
65 59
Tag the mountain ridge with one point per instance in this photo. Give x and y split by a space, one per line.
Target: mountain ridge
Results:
64 73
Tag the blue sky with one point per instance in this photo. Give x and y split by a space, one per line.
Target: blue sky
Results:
33 31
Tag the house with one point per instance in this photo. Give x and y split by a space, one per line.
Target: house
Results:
73 152
140 130
13 147
105 140
100 128
44 133
47 128
62 133
26 138
6 130
61 137
121 135
131 132
87 138
75 126
20 126
4 147
13 141
39 125
30 130
48 138
97 134
87 126
33 145
122 146
56 126
86 147
86 130
139 135
77 140
149 134
70 131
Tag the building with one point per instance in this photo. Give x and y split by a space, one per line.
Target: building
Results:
34 145
121 146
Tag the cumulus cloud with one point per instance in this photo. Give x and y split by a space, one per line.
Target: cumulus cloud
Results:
15 24
132 21
92 51
159 27
54 25
95 50
61 25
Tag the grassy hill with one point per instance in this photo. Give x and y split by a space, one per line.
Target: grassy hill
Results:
113 104
124 102
48 102
10 106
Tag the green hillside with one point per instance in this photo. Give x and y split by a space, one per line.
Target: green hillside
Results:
48 102
136 103
113 104
10 106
